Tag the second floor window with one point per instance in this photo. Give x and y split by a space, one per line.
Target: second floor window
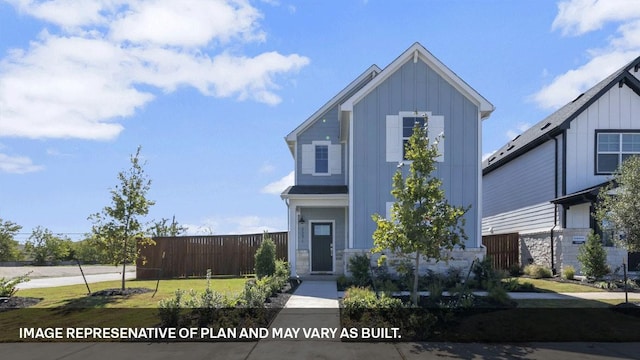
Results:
614 148
407 130
322 159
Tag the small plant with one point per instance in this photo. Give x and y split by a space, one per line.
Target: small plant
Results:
569 272
253 295
266 257
170 310
435 291
359 266
498 294
593 257
8 287
515 270
537 271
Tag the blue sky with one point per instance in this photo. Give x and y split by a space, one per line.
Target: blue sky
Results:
210 88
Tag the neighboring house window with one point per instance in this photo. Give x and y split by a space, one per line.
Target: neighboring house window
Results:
612 148
400 127
321 158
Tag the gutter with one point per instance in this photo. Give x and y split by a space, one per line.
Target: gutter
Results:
555 206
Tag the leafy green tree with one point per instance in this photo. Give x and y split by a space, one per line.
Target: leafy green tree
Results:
162 229
422 223
118 228
593 257
45 247
90 251
618 208
9 250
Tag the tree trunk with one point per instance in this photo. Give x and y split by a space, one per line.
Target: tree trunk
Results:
416 278
124 262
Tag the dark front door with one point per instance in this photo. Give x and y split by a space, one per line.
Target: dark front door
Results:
322 247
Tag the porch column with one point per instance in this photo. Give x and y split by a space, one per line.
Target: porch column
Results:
293 238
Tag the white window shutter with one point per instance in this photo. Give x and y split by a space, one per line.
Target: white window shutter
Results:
394 139
308 159
335 159
436 133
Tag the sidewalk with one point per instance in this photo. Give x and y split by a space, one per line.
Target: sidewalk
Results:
73 280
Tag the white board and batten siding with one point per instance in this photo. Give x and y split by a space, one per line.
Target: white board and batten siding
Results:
617 109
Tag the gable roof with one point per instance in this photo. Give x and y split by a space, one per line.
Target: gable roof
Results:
558 121
414 52
366 76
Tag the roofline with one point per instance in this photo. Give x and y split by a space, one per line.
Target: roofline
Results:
372 70
624 78
315 196
484 106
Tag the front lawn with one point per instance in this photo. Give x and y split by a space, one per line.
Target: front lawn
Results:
70 306
557 286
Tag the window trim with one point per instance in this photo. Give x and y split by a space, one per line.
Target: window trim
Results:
620 132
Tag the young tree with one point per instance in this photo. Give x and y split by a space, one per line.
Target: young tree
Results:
118 227
593 257
618 208
422 223
9 250
160 228
45 247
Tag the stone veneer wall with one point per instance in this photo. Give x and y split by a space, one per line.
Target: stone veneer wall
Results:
537 247
458 259
303 263
615 255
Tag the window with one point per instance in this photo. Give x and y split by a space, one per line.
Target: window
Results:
407 130
399 129
322 159
612 148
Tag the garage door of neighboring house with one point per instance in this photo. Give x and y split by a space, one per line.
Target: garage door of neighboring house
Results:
503 249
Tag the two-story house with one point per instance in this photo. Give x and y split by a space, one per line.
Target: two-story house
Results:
347 152
543 184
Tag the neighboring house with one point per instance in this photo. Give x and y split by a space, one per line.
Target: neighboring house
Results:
543 184
347 152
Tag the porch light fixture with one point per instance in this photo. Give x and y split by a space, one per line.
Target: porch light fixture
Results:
301 220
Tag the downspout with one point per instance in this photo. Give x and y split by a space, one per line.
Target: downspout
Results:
555 206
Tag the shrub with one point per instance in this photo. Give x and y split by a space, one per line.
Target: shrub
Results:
359 266
568 272
170 310
283 270
8 286
266 257
515 270
593 257
498 294
357 300
537 271
253 295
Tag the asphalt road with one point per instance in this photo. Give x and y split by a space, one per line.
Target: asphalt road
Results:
49 276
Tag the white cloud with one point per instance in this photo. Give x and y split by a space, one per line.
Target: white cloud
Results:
228 225
577 17
267 168
17 164
82 80
278 186
520 128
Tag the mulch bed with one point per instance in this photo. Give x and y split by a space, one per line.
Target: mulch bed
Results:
16 302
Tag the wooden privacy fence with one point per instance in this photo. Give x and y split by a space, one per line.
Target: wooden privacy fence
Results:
503 249
186 256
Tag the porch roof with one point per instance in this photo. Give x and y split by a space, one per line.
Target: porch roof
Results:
580 197
315 190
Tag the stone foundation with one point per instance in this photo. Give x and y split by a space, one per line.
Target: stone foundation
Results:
535 248
461 259
303 262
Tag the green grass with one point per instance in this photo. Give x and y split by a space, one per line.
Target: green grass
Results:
76 295
70 306
565 303
558 287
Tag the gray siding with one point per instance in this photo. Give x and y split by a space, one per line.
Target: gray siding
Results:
315 214
413 87
525 181
326 127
